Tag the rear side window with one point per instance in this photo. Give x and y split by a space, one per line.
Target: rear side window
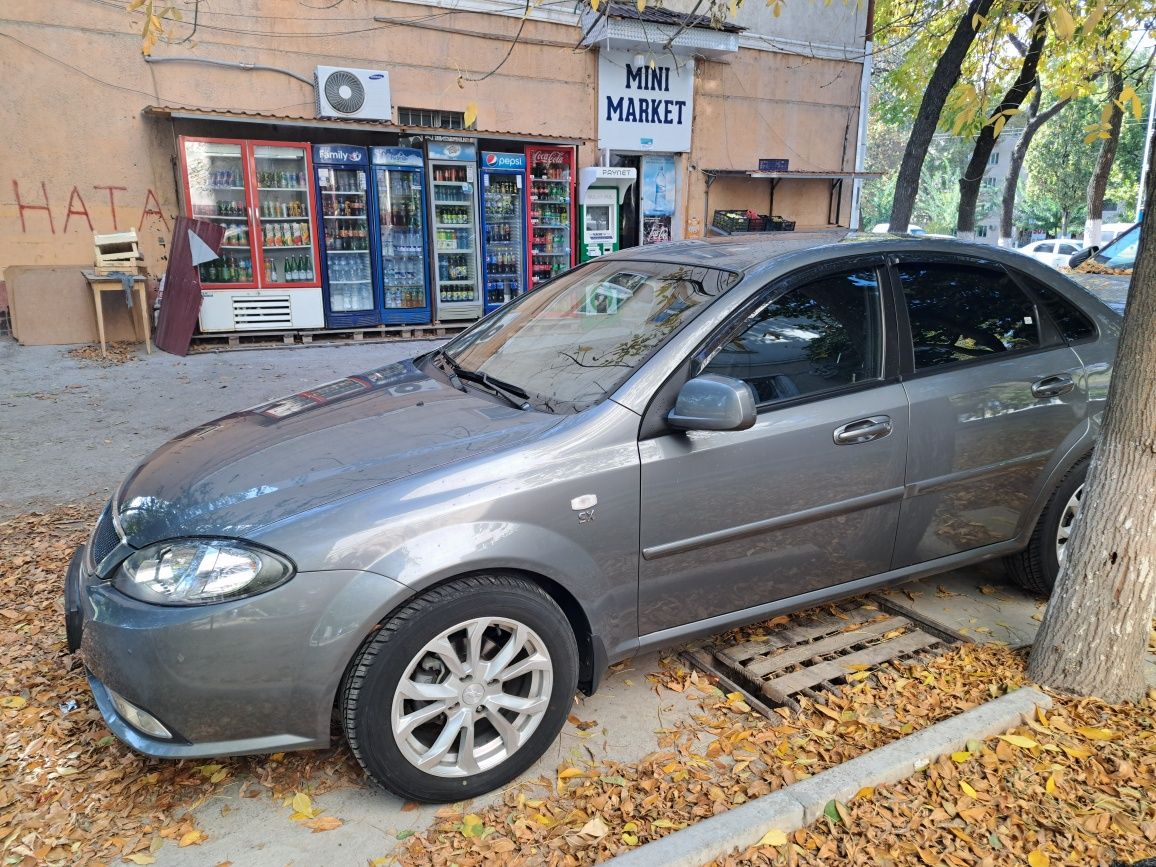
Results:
1072 322
815 338
963 313
1044 248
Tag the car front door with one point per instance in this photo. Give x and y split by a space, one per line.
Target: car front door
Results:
994 391
807 497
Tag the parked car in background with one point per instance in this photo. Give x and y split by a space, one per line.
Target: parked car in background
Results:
1053 251
655 446
885 228
1117 256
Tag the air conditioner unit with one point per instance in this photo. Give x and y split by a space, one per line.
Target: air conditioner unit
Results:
352 93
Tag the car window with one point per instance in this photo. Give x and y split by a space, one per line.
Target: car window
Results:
1044 248
1120 253
572 341
965 313
1068 249
1072 321
815 338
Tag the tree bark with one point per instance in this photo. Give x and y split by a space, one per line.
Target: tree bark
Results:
1104 159
985 141
1036 119
1095 630
943 79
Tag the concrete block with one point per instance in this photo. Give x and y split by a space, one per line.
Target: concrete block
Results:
706 840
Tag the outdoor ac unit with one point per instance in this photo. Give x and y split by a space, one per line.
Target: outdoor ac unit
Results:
353 93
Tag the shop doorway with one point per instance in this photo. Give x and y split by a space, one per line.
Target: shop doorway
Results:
629 230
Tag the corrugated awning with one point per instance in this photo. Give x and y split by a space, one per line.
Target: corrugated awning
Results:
177 112
795 174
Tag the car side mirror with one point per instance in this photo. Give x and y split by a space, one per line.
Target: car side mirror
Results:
712 402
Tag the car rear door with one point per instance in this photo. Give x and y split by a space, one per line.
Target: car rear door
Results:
994 392
809 496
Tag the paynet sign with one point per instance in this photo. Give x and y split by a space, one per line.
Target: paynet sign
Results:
642 108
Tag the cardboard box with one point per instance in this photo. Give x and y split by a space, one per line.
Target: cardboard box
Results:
54 306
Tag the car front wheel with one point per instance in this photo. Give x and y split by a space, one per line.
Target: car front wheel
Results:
462 689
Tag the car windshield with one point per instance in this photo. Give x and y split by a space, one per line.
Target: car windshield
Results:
571 342
1120 253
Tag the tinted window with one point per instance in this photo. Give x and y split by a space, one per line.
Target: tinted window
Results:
962 313
818 337
1044 248
1068 249
1072 322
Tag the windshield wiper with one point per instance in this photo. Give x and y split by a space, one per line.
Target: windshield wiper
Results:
507 391
450 368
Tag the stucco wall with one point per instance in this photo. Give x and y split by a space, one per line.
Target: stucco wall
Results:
78 156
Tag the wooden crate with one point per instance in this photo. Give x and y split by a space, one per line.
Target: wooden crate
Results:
118 251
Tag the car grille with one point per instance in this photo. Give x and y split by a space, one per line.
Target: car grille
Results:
104 537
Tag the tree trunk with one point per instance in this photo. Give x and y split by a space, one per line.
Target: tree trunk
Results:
985 141
1104 159
1094 633
1036 119
943 79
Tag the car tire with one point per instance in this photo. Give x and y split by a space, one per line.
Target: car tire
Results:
460 690
1036 567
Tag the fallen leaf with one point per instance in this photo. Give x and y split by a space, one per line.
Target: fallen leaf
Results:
324 823
1037 858
774 837
1019 741
595 829
191 838
1096 734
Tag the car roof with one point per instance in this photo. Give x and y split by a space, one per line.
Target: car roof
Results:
755 252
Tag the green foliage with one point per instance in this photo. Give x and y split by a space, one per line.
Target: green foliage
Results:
1059 165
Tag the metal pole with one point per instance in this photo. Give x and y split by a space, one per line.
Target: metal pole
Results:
1140 203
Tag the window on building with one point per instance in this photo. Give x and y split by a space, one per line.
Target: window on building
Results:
963 313
429 118
993 160
981 231
989 182
817 338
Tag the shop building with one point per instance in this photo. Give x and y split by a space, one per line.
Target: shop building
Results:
404 162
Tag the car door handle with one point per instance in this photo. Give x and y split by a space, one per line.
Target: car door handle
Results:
1053 386
863 431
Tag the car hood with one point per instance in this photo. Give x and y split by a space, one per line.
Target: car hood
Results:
252 468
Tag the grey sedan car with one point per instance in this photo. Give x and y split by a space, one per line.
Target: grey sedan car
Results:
654 446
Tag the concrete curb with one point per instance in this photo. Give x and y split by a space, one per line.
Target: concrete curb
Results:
801 804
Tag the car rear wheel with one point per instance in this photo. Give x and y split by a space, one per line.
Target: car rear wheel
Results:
1037 566
462 689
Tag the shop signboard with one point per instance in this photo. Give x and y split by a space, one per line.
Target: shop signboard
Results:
452 150
644 108
657 197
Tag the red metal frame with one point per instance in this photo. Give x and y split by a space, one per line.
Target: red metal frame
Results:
310 201
571 163
252 218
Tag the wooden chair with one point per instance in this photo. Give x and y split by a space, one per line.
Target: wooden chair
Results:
116 254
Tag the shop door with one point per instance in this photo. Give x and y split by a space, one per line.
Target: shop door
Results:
628 226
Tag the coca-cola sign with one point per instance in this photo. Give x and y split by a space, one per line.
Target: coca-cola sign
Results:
549 158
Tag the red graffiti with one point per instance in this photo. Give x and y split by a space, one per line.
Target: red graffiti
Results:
23 207
111 201
75 196
76 207
156 212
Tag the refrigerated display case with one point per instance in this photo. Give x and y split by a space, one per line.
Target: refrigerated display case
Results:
347 255
550 211
453 207
266 276
503 228
399 181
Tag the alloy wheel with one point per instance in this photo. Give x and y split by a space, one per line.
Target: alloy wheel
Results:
1067 518
471 697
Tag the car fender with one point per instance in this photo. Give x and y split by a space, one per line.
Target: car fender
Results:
1078 443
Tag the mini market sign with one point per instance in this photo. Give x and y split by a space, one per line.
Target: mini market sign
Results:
641 108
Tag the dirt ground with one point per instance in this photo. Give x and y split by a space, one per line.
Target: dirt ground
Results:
71 429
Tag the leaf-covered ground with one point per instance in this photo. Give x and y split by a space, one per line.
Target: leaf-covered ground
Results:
70 793
1074 787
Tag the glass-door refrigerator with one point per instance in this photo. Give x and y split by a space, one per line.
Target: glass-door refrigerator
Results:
550 209
453 207
503 228
266 276
399 181
344 208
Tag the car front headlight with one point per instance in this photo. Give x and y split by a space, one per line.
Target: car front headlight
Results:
200 572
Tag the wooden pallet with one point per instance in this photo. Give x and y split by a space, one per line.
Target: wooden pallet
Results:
234 340
816 651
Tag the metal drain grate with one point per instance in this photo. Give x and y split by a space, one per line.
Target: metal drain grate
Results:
816 650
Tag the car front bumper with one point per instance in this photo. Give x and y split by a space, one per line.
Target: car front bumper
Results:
255 675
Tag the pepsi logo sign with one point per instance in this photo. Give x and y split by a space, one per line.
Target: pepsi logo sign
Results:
491 159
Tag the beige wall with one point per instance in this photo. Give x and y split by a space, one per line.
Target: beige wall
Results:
78 156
